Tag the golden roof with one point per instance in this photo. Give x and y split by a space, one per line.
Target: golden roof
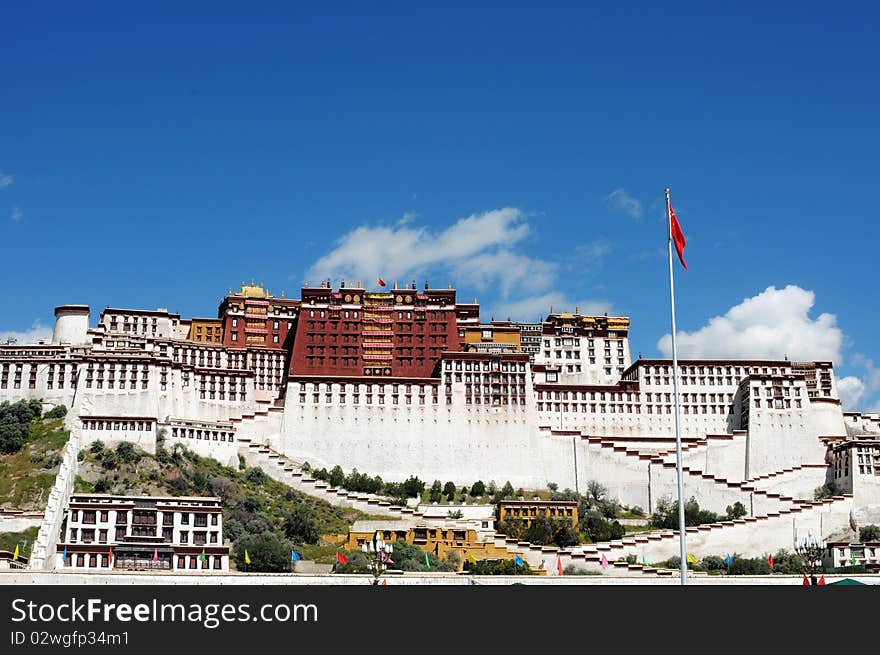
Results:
252 290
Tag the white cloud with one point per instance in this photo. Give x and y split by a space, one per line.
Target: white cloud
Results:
851 390
619 200
537 307
512 272
403 250
772 325
478 253
872 373
6 180
37 332
17 215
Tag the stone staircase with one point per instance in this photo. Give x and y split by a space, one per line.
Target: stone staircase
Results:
742 536
283 469
43 551
743 492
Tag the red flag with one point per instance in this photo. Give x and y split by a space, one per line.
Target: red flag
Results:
341 559
382 282
821 580
384 583
677 236
806 581
111 557
770 560
559 565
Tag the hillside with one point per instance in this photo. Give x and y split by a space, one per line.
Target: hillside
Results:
27 475
260 514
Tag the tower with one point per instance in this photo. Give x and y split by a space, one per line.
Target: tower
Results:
71 324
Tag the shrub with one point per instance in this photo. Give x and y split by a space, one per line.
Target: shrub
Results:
102 485
109 460
267 552
598 528
126 453
15 421
300 527
337 476
59 411
256 476
454 514
869 533
637 511
735 511
574 569
666 515
498 567
825 491
413 487
96 447
542 530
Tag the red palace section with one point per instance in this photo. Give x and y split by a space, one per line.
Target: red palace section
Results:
352 332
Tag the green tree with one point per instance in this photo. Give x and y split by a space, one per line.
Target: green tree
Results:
435 494
15 421
449 491
337 476
825 491
59 411
268 553
478 489
256 476
300 527
507 491
735 511
126 453
413 487
869 533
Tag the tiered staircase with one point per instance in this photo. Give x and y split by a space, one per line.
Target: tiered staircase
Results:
661 545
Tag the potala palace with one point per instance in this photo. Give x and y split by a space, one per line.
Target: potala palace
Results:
410 381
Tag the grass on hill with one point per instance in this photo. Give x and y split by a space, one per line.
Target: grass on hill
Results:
27 476
24 540
253 503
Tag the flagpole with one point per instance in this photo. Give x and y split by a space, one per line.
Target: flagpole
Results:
678 468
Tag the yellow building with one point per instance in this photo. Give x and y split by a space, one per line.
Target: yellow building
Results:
438 540
498 336
208 330
526 510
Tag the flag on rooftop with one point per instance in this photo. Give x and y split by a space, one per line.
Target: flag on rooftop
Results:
518 561
691 559
381 282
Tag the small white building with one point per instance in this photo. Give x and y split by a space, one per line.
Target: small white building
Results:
166 533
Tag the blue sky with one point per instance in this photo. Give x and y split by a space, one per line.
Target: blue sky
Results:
156 156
